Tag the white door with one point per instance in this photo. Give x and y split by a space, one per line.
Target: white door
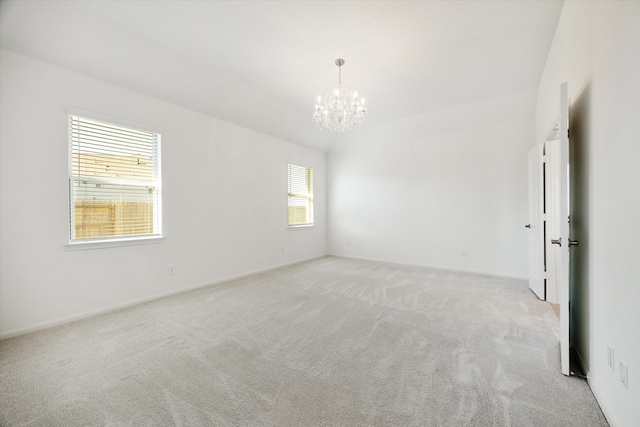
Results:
535 225
563 241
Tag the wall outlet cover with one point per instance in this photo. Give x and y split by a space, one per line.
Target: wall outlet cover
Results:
624 374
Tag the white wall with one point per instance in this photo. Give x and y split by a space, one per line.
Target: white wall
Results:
596 50
224 201
423 189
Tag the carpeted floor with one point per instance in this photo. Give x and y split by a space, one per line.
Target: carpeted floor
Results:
330 342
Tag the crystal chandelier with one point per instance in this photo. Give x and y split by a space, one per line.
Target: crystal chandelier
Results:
339 110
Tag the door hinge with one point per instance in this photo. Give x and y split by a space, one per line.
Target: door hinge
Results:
545 158
544 275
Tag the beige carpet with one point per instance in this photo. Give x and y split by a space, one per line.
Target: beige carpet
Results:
330 342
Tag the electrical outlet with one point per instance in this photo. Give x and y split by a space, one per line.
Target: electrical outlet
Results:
171 270
281 250
348 243
464 253
624 374
610 356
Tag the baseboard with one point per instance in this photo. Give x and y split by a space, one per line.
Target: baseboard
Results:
613 422
91 313
592 385
435 267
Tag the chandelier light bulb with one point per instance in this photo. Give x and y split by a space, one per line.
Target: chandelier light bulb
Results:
340 110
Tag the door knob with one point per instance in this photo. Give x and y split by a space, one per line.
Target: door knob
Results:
557 241
573 242
527 226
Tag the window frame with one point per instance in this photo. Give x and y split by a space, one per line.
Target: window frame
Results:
156 236
309 196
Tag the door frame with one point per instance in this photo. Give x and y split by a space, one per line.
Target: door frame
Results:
536 225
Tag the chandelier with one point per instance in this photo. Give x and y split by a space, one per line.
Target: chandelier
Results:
339 110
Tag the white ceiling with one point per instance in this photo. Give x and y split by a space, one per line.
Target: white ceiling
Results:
261 64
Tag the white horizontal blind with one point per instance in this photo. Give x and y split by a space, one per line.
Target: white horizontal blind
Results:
300 206
114 181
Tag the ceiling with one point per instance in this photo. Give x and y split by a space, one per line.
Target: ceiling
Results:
261 64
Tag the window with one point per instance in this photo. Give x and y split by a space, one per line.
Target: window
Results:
300 205
114 181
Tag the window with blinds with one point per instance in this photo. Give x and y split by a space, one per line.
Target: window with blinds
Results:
300 206
114 181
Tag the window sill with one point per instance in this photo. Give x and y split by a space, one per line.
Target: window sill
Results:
300 227
99 244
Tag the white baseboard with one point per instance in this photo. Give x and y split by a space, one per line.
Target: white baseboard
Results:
435 267
127 304
594 388
613 422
